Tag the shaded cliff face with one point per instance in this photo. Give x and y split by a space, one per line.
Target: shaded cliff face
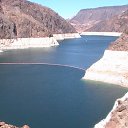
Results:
26 19
118 23
87 18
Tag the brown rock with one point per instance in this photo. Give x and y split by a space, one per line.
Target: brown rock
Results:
2 123
100 19
121 44
121 108
25 126
24 19
119 117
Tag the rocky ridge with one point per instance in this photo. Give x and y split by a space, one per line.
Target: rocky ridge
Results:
24 19
90 19
118 23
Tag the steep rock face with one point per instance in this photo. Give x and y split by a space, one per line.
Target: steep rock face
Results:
118 117
87 18
28 19
7 27
118 23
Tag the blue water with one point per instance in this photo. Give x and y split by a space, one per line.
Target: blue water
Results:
49 96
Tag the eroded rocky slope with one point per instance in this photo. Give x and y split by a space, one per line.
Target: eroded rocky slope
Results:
95 19
118 117
24 19
121 44
118 23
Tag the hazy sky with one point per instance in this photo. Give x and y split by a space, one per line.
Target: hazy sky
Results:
69 8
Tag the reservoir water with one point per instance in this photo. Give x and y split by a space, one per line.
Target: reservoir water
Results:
54 96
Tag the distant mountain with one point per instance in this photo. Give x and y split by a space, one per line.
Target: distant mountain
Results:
21 18
118 23
87 18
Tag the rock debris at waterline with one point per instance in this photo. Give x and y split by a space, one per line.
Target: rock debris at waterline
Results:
118 117
111 68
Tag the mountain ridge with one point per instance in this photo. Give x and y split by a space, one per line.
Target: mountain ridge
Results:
31 20
87 18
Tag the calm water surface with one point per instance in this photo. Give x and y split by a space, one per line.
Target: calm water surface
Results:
49 96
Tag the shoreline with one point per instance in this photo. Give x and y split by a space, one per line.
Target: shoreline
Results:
102 33
24 43
119 106
111 68
66 36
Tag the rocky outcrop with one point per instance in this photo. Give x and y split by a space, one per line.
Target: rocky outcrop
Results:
5 125
118 117
7 27
87 19
24 19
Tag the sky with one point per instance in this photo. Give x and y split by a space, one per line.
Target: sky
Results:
69 8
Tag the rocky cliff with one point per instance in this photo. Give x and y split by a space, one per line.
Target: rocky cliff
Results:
118 117
7 27
87 18
24 19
